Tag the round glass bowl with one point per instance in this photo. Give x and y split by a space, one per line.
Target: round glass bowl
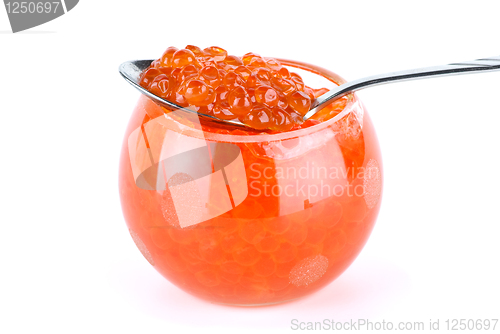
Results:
248 219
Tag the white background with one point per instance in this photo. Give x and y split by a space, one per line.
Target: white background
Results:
68 264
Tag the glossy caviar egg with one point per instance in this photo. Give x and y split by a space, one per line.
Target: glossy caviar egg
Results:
211 74
247 58
284 85
266 95
259 117
263 75
232 80
178 99
243 71
233 60
183 58
218 54
273 64
222 110
282 119
161 86
148 76
297 80
187 72
195 50
252 81
300 102
196 91
221 93
239 101
166 58
284 73
257 62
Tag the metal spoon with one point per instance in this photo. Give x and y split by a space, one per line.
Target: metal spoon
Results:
131 71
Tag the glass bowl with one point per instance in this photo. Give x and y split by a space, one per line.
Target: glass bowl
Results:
249 219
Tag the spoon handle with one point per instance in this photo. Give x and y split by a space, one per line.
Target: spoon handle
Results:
485 64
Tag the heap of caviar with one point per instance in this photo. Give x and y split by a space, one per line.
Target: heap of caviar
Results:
258 91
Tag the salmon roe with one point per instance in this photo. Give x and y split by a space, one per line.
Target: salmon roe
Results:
258 91
239 220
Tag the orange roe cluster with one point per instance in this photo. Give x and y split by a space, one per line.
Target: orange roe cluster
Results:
258 91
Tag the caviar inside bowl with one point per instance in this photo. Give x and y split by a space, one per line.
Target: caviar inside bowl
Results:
250 218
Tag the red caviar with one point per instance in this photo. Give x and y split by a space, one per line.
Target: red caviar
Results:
272 242
254 86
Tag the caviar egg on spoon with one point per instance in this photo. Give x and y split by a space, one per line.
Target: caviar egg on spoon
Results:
249 91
